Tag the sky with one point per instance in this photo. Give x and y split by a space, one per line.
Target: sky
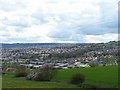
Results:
58 21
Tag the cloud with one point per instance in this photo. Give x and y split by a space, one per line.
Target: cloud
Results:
101 38
58 20
8 5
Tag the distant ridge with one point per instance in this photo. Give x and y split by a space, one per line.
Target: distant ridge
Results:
25 45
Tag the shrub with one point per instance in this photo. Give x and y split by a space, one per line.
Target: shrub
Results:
46 74
29 76
21 72
3 73
40 77
93 64
77 78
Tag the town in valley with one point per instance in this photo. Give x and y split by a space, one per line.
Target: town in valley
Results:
62 56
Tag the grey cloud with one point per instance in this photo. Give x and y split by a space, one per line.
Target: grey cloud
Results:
19 23
6 6
39 16
64 35
20 39
96 29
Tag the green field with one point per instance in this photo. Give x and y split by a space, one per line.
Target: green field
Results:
15 82
101 76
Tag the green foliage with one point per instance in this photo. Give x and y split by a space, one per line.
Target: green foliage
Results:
3 73
21 72
46 74
77 78
40 77
108 60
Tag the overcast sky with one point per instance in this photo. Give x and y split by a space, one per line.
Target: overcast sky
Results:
58 21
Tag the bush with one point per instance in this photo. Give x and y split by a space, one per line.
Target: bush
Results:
3 73
46 74
93 64
77 78
29 76
41 77
21 72
38 77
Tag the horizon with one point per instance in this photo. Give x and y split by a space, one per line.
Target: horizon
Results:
54 43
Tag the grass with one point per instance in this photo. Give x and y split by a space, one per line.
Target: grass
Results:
9 81
102 76
22 83
0 82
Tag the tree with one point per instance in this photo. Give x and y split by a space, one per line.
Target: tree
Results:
108 60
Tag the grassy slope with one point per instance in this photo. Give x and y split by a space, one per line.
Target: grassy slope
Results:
9 81
102 76
0 82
